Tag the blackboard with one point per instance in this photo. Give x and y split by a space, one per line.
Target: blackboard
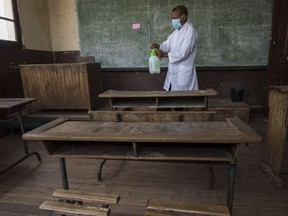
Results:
119 32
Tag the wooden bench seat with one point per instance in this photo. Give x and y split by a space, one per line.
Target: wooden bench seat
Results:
54 206
166 208
71 202
87 196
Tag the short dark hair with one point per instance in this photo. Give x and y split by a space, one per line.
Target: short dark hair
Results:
182 9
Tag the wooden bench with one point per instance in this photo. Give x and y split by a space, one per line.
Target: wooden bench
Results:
227 109
71 202
152 116
165 208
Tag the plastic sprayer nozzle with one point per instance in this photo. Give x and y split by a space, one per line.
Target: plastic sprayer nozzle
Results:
153 52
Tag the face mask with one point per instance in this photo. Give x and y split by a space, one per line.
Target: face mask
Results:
176 24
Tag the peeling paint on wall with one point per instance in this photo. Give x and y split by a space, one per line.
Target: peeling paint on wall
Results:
63 25
49 25
35 24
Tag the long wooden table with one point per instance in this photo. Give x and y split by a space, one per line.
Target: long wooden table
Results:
158 99
16 105
189 142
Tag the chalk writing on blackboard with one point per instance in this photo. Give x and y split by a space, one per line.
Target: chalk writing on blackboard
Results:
232 33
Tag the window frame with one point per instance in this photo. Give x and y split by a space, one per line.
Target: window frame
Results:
16 20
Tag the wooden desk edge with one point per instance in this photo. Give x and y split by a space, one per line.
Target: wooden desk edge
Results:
22 102
247 134
119 94
32 135
211 92
283 89
245 129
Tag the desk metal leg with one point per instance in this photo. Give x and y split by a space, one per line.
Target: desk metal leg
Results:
19 161
20 119
211 177
26 150
231 187
63 173
99 171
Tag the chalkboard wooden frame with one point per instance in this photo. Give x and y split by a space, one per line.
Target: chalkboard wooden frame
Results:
200 68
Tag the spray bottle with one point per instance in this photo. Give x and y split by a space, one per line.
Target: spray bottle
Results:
154 62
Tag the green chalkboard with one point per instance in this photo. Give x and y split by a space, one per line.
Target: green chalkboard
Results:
119 32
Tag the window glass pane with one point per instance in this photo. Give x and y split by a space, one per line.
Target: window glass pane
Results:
7 30
6 9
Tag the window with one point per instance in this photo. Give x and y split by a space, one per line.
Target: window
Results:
9 22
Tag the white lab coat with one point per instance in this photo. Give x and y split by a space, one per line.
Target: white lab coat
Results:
181 47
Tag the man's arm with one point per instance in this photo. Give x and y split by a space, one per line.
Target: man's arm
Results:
188 45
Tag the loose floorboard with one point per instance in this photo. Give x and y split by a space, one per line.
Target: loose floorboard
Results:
26 186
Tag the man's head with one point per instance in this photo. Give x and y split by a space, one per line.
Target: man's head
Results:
180 12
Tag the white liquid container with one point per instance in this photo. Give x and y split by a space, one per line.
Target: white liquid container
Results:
154 62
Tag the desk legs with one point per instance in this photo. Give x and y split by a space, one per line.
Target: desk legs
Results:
19 161
231 187
99 170
20 119
26 150
63 173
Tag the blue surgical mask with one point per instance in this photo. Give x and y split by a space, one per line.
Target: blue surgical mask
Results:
176 24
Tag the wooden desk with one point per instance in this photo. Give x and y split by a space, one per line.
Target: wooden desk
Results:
62 86
12 105
276 132
158 99
147 141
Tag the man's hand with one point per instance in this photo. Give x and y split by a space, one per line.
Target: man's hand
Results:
161 54
155 46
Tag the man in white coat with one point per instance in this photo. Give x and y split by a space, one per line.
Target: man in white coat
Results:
180 48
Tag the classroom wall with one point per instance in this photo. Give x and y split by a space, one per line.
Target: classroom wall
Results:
54 25
37 46
10 58
41 37
35 24
63 25
53 15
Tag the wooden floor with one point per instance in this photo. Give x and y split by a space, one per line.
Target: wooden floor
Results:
27 185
